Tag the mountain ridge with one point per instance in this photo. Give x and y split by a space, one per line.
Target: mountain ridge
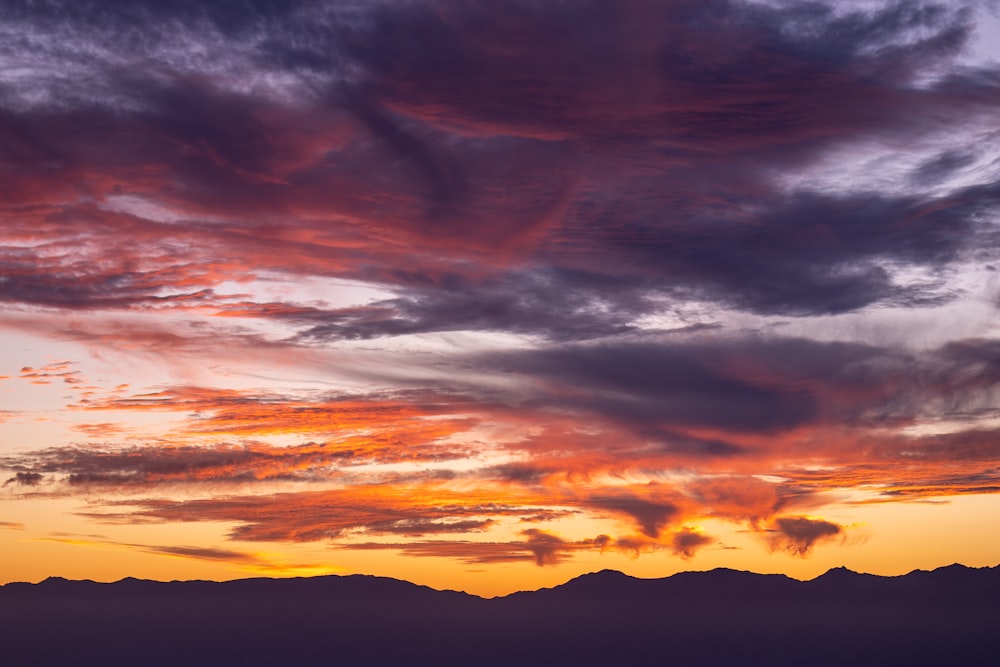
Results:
838 572
717 617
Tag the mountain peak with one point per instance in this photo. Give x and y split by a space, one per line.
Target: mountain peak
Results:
840 572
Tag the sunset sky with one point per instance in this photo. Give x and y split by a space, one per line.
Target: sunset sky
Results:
488 294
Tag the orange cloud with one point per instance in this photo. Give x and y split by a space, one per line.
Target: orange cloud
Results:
378 509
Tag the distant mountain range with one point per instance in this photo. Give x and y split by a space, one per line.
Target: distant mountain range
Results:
950 616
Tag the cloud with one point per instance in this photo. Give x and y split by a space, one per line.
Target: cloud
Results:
255 562
798 534
739 497
909 468
542 547
472 553
686 542
335 135
100 430
25 479
150 465
546 547
663 388
412 509
247 413
523 302
629 261
202 553
650 516
541 465
139 467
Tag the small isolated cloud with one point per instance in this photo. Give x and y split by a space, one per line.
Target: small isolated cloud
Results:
630 545
25 479
11 525
686 542
99 430
547 548
798 534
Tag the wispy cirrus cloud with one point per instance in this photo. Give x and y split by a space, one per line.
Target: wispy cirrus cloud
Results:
254 562
543 547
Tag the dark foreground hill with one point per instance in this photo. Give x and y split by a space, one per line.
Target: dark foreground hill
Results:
950 616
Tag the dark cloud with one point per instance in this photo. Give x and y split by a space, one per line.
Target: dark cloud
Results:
780 91
686 542
650 516
551 187
447 62
205 553
25 479
753 385
526 302
797 534
150 465
632 546
968 446
547 548
942 166
659 387
154 465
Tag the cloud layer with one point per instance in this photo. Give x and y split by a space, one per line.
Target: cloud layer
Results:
646 263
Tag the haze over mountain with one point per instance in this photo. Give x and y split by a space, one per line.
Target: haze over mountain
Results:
947 616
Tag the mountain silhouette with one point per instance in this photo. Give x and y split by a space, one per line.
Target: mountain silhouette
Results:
949 616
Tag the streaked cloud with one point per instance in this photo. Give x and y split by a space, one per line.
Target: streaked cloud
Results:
254 562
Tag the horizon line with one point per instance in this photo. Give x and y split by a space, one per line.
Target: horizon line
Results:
57 578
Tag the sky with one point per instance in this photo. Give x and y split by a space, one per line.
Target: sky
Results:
486 295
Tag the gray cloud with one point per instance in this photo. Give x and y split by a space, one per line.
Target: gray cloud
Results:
611 158
686 543
752 384
22 478
650 516
797 535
